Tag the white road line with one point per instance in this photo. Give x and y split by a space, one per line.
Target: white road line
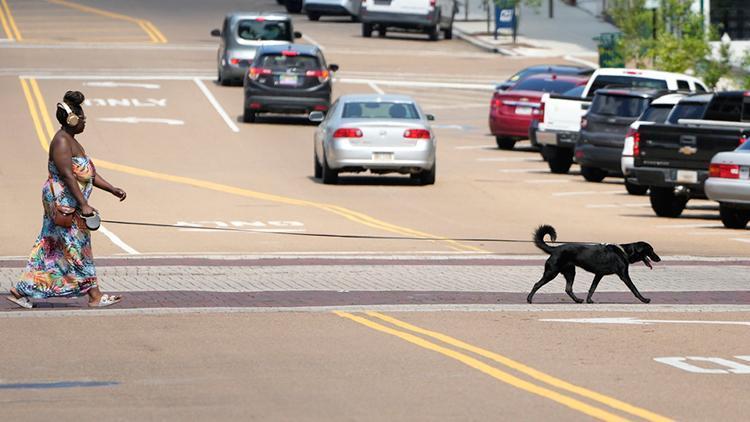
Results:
589 192
547 181
453 107
688 226
519 170
572 58
376 88
117 241
216 105
313 42
412 84
508 159
476 147
111 84
617 205
741 239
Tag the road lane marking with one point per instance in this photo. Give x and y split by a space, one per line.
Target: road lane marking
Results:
313 42
508 159
476 147
618 205
154 34
637 321
219 109
133 119
489 370
533 373
589 192
351 215
37 107
112 84
376 88
9 24
419 84
5 25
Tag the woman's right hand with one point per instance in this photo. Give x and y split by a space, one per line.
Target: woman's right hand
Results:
87 210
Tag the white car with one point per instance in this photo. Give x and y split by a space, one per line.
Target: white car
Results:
317 8
657 112
379 133
427 16
729 183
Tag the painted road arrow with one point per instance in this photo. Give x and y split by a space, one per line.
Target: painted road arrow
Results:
171 122
636 321
110 84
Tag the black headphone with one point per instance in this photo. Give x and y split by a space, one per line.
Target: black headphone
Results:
72 119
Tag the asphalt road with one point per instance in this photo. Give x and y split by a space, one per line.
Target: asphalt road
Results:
162 129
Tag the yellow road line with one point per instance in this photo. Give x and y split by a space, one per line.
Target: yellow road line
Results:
41 115
489 370
149 28
9 24
6 27
536 374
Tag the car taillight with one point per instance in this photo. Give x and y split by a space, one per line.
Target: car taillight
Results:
584 123
495 102
432 3
322 75
725 171
234 60
347 132
743 138
289 53
417 134
541 113
255 72
636 143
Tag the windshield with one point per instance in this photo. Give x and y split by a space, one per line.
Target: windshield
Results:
575 92
618 105
615 81
687 111
265 30
745 147
282 62
656 113
379 110
544 85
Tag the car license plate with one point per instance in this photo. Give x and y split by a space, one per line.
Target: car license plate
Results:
524 111
687 176
744 172
288 80
382 156
546 138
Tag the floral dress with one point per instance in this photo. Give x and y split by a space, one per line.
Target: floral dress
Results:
61 262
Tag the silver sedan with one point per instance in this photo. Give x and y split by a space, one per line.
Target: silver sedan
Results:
379 133
729 184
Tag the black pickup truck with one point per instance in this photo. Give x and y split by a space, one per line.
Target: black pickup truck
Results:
673 159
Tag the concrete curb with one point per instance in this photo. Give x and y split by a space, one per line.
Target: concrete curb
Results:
483 45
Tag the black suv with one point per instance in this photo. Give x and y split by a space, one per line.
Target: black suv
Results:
288 78
604 127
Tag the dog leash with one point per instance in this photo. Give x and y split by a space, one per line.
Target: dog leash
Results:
330 235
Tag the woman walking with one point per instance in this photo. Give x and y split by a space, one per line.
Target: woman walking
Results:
61 263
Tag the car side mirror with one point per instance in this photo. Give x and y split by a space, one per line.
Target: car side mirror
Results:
316 116
297 34
502 87
585 106
430 117
333 67
215 33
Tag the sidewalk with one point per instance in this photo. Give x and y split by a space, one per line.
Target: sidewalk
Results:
569 33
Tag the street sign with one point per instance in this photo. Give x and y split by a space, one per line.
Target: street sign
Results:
505 18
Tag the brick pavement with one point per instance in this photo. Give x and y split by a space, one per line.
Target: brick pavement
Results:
265 281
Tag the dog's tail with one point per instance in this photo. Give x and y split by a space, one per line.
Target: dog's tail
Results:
539 234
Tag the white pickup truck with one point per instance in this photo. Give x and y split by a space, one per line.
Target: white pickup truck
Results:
558 129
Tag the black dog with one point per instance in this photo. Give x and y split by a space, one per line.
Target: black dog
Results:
599 259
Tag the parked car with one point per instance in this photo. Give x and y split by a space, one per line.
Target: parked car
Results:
379 133
729 183
292 78
673 159
656 112
292 6
560 124
512 110
557 69
427 16
240 36
604 127
317 8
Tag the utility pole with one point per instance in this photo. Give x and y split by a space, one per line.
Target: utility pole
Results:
551 9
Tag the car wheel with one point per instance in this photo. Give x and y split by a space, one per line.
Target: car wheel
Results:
634 189
433 32
558 159
593 174
367 30
426 177
382 31
248 116
221 79
318 168
734 218
505 142
355 18
665 203
329 175
313 16
293 6
448 33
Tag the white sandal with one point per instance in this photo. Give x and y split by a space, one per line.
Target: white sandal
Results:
106 300
23 302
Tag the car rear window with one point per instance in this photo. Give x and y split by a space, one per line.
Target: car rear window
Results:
687 111
618 105
379 110
263 30
283 62
544 85
604 81
656 113
745 147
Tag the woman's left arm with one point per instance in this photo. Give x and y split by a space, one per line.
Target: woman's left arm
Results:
102 184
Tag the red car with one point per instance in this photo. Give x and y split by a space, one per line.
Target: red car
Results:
512 111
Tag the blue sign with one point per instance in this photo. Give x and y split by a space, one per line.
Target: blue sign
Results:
505 18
